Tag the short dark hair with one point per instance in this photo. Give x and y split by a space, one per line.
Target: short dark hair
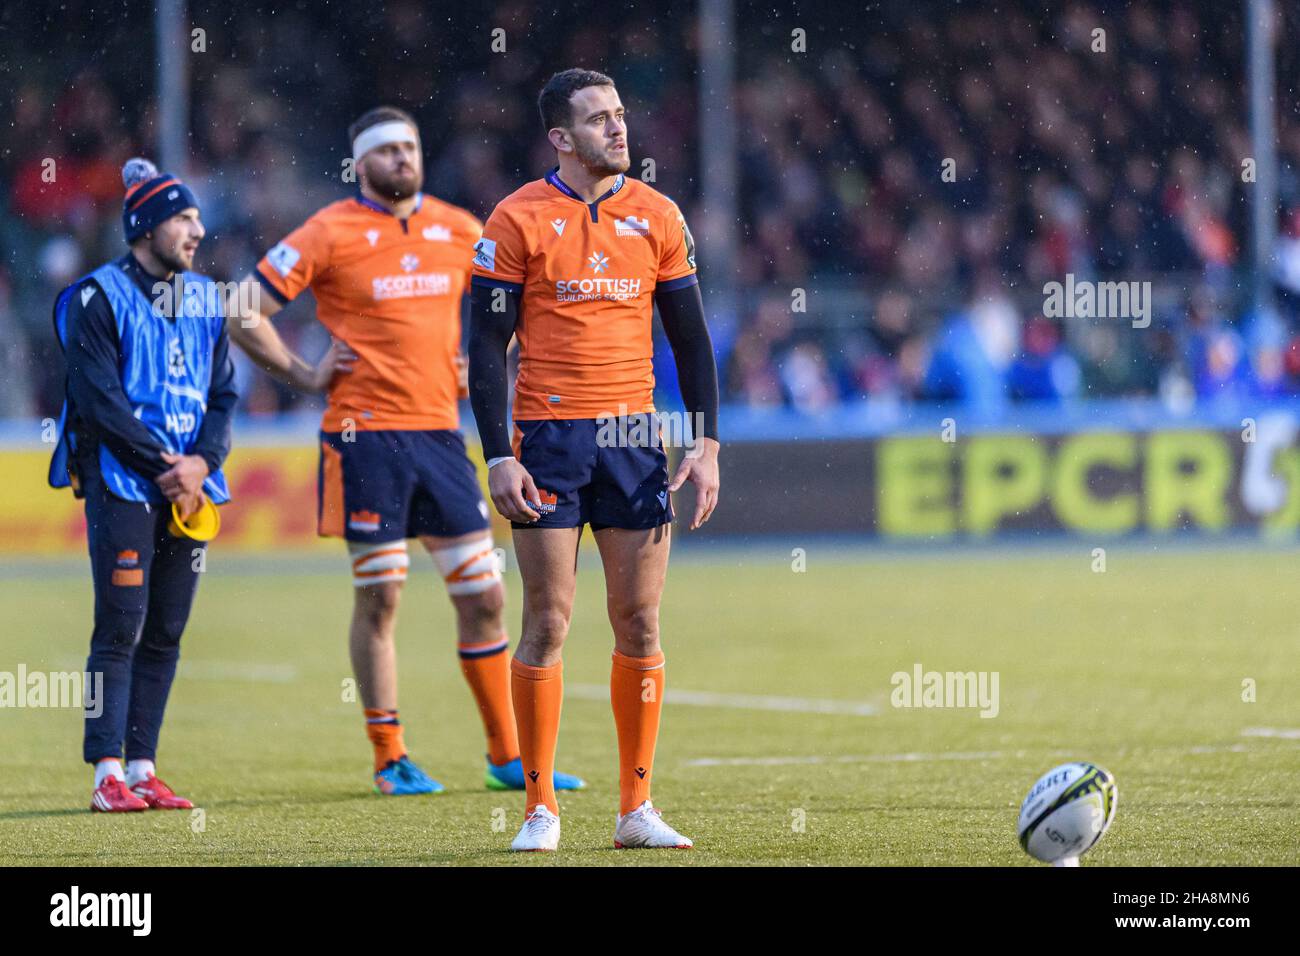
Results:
553 103
380 114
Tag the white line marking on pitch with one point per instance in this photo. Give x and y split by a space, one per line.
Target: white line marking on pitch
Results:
703 698
238 671
218 671
814 759
926 757
1278 732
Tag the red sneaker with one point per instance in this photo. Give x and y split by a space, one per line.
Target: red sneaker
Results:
158 796
111 796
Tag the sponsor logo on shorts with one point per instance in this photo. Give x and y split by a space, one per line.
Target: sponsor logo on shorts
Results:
363 521
128 559
128 577
547 501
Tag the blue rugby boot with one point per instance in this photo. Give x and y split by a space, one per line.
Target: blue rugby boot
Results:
510 776
402 778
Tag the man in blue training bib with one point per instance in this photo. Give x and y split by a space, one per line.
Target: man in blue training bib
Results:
145 426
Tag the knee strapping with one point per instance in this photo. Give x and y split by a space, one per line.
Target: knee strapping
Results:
378 563
469 568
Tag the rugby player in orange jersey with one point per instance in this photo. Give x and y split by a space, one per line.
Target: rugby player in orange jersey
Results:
389 269
572 264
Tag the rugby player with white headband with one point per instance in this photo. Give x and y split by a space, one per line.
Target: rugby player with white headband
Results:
389 268
382 134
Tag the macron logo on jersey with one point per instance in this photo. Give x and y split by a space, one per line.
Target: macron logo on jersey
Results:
485 254
558 225
283 258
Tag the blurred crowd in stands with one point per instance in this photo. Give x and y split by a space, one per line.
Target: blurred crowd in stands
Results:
920 173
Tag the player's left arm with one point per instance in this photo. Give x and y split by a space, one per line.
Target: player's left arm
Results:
677 294
509 483
682 313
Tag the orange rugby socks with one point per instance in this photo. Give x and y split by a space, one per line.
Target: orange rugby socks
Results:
538 693
636 691
385 733
487 671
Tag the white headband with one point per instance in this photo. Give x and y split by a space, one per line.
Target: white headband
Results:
382 135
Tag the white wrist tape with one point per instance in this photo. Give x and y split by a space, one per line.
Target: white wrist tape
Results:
382 135
378 563
493 462
469 568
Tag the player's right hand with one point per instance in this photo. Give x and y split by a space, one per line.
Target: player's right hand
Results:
188 505
185 477
512 489
338 360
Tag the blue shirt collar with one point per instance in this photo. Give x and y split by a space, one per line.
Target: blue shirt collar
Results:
553 177
371 204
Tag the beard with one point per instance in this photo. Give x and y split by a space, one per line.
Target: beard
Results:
599 163
174 259
396 186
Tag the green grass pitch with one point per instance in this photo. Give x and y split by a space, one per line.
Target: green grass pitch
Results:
1140 669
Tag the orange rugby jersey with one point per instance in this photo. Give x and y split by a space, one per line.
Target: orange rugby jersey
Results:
391 289
587 274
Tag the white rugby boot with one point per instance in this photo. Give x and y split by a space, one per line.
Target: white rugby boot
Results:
540 832
645 828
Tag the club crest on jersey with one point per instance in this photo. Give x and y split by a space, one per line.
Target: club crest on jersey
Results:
410 263
558 225
632 226
485 254
283 258
372 237
436 233
599 262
